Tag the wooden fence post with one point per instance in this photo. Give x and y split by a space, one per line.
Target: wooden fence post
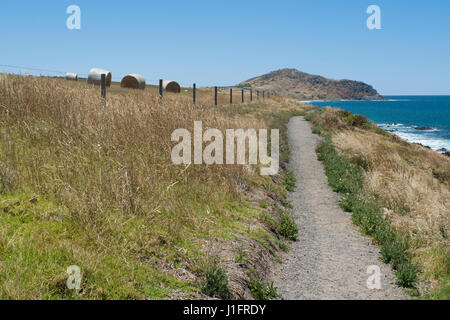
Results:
251 94
215 96
231 95
103 86
243 95
160 89
194 95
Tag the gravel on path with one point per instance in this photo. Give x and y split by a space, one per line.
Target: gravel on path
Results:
330 260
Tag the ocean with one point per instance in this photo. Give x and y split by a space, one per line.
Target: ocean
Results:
419 119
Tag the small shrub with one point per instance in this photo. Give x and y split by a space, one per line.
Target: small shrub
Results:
216 283
261 290
283 246
288 204
289 181
406 275
241 257
288 227
392 252
385 235
356 120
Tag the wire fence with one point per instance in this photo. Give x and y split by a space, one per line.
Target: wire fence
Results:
42 72
221 95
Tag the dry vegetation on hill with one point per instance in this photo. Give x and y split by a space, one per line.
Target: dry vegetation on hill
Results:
299 85
88 184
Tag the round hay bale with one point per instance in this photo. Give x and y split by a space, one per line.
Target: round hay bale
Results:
95 76
134 81
171 86
71 76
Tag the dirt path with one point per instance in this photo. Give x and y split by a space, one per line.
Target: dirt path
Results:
331 258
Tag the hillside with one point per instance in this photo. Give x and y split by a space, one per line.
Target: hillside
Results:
292 83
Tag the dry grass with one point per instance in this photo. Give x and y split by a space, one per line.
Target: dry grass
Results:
410 181
92 184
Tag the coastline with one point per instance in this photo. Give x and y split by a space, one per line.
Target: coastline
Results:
418 120
415 137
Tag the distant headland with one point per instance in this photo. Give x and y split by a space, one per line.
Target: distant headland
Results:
292 83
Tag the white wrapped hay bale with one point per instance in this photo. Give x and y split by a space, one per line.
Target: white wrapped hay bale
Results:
95 76
71 76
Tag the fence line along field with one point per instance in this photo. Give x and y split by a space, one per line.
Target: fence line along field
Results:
137 81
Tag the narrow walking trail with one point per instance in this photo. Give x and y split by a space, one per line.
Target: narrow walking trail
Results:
331 257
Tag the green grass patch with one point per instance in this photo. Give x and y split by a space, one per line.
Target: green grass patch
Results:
342 175
288 227
289 180
285 226
442 292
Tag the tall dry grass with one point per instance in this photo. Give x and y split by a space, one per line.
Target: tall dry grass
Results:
95 155
102 189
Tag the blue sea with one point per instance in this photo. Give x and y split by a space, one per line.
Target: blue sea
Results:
419 119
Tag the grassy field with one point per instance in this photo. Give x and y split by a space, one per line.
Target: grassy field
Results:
398 193
91 184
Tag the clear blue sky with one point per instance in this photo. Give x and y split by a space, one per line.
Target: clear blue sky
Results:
224 42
